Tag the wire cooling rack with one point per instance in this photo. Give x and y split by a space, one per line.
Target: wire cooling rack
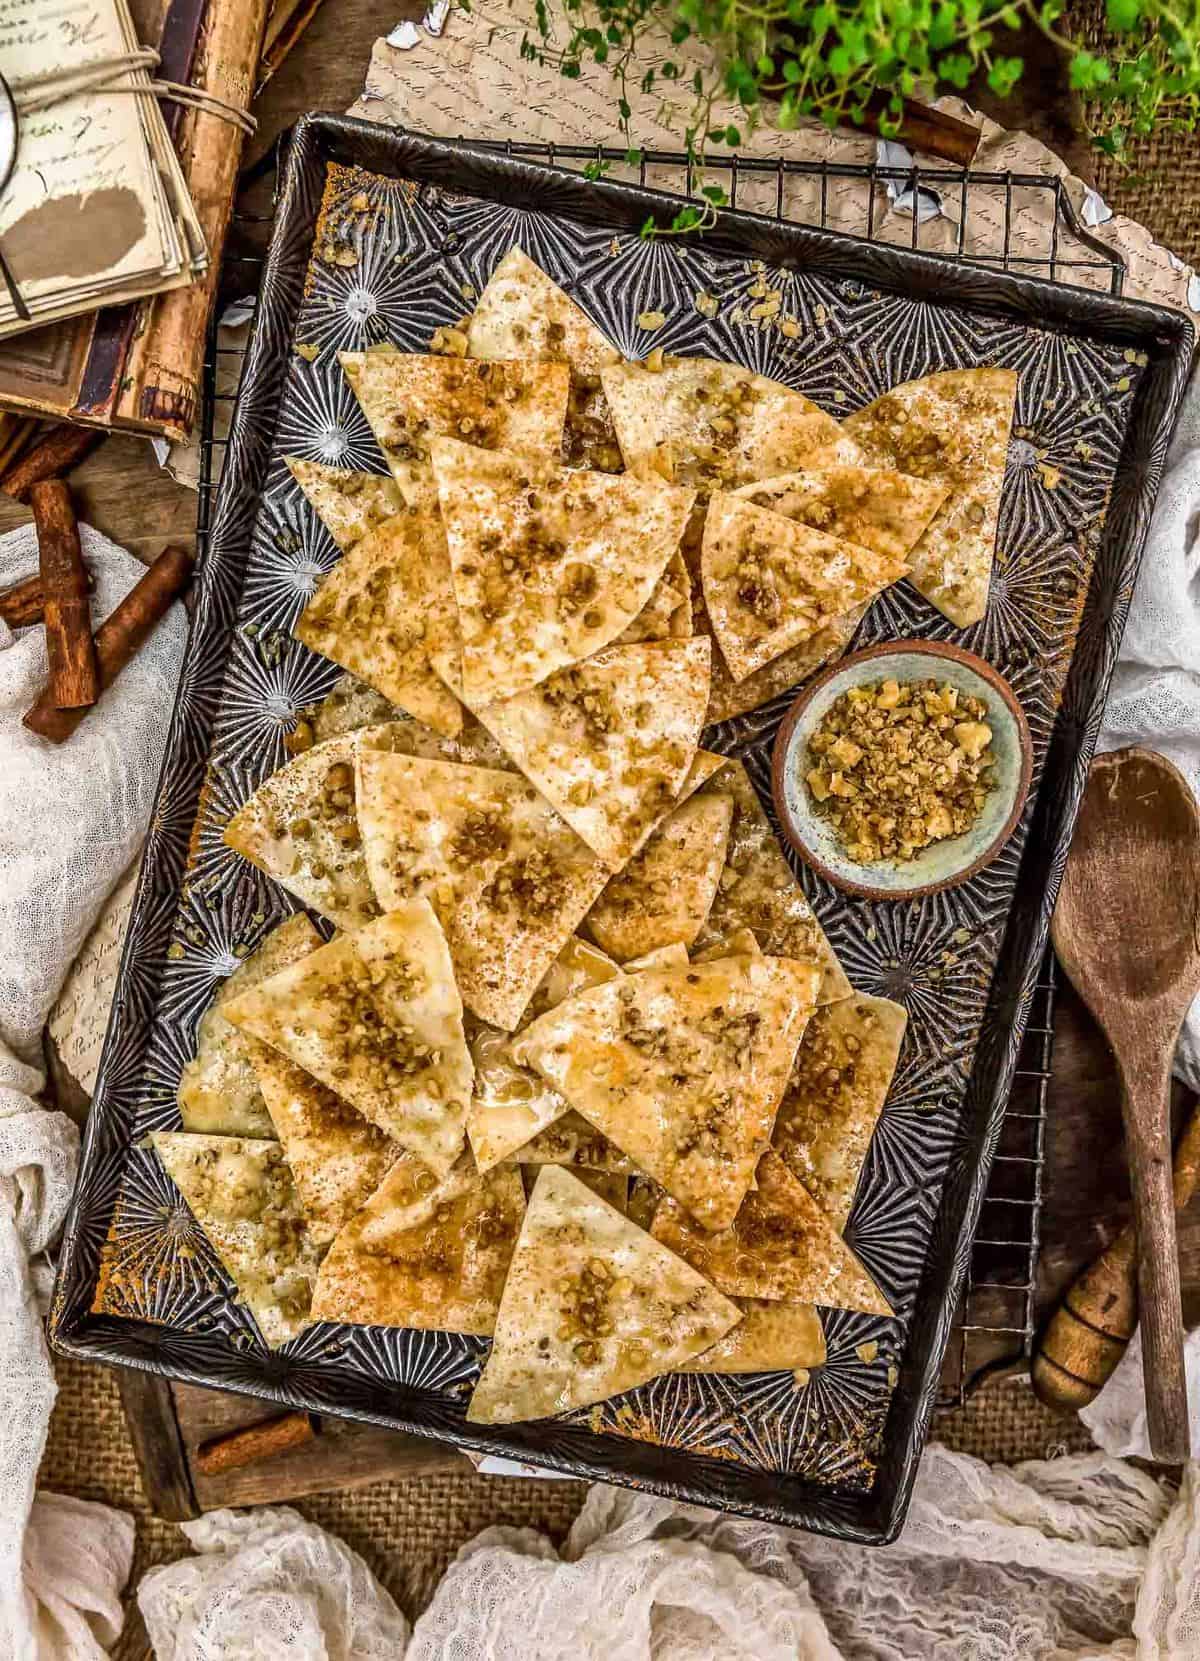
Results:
997 1315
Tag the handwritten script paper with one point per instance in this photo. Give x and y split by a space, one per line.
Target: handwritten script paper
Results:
95 210
472 82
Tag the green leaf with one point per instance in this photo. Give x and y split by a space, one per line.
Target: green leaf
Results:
715 194
1088 72
955 67
1004 75
1123 15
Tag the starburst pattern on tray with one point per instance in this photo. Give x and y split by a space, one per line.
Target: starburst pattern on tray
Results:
321 421
411 260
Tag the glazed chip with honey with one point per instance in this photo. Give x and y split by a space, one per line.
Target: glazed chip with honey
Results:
219 1089
771 583
769 1338
779 1246
241 1193
952 430
523 314
757 891
592 1306
713 426
299 827
508 878
875 508
425 1254
842 1074
682 1069
387 613
664 894
348 504
610 742
549 565
511 1105
377 1018
409 401
337 1157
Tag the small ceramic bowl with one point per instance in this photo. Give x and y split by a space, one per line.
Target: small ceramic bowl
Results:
943 864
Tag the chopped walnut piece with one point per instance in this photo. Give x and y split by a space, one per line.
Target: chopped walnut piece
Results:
896 767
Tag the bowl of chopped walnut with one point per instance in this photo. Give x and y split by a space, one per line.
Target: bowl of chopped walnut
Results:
903 769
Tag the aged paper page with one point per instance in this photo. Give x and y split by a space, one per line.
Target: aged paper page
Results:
83 201
472 82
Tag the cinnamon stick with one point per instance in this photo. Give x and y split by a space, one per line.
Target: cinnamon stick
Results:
119 638
238 1448
62 449
25 603
74 681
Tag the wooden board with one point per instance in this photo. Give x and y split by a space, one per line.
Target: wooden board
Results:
169 1422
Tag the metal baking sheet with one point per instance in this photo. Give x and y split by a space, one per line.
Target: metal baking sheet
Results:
1100 382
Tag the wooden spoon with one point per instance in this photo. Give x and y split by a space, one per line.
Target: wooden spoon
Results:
1127 932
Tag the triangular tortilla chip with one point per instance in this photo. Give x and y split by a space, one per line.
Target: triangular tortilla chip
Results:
337 1158
349 505
609 1186
758 891
682 1068
218 1089
664 894
672 956
780 1246
387 614
376 1017
548 565
570 1140
592 1306
410 400
241 1193
348 705
667 614
299 827
951 429
874 507
784 673
770 583
508 879
510 1104
712 426
840 1080
523 314
419 1255
769 1338
609 742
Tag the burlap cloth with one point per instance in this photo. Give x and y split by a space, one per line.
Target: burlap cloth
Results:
409 1531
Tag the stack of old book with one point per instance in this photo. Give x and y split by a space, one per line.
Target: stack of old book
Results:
112 224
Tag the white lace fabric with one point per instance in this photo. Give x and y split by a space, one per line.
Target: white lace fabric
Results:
1075 1559
71 818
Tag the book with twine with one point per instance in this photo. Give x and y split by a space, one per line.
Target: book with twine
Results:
137 364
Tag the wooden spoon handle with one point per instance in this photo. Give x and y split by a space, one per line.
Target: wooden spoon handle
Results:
1145 1104
1089 1331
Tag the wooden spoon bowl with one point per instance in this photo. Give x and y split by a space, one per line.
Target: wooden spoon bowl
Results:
1127 932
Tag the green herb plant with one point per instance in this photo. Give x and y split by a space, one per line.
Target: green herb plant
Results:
836 61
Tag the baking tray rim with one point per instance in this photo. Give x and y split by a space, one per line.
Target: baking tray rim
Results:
877 1516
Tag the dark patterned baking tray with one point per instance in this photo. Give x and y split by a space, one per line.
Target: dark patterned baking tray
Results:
1100 381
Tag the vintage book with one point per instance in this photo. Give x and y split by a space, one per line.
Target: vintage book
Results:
96 208
138 366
